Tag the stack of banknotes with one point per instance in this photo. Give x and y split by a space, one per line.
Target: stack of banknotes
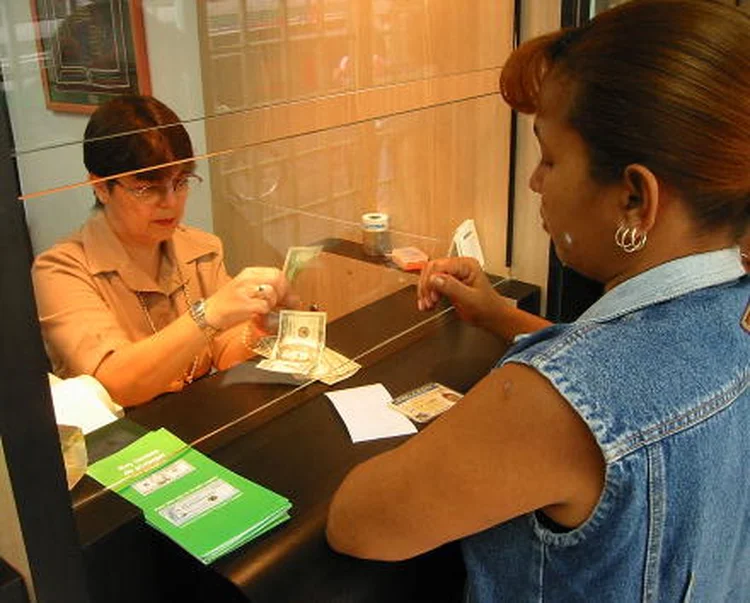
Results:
299 349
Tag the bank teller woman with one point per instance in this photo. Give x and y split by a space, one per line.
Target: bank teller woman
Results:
134 297
604 460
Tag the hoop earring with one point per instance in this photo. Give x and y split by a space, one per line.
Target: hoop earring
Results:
630 239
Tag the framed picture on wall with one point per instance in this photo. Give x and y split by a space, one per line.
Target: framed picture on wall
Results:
90 51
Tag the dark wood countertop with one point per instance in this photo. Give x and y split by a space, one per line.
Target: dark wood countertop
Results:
290 439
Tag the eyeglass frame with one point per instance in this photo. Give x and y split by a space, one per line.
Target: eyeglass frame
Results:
142 192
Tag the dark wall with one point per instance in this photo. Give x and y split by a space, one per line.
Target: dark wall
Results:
569 293
27 422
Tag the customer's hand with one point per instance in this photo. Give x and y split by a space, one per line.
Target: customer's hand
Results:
464 283
253 292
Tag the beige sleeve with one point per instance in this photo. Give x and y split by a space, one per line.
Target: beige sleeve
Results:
213 276
78 326
228 346
212 272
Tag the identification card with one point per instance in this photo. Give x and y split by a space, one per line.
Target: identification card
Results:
427 402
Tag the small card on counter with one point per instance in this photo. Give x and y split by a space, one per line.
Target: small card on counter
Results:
426 402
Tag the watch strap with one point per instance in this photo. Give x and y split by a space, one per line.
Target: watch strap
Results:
198 314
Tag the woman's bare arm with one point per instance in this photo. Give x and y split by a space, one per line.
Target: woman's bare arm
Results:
511 446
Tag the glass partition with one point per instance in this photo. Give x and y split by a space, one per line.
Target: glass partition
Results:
303 114
427 169
220 56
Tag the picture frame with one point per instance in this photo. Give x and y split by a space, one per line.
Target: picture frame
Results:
90 51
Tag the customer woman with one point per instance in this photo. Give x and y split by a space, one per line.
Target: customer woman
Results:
604 460
135 298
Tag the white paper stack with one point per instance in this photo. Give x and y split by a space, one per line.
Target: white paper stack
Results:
82 401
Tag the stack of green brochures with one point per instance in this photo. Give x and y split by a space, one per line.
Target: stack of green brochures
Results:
202 506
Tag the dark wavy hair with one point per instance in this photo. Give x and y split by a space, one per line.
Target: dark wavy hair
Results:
135 132
663 83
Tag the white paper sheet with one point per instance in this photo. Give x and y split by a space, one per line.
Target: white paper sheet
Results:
82 401
366 413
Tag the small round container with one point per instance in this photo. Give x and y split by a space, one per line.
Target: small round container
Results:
376 238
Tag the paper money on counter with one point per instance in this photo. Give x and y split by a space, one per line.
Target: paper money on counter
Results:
302 336
331 368
264 346
334 367
299 344
297 258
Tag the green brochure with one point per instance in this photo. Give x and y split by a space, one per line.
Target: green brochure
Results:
202 506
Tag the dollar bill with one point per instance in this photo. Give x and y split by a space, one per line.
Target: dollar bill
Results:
298 369
331 368
264 346
302 336
299 344
297 258
334 367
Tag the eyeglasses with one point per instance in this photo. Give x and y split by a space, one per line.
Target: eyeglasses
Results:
151 194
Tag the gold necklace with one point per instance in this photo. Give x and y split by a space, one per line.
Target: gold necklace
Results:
190 375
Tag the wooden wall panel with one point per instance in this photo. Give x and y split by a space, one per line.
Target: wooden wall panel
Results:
530 241
346 106
324 280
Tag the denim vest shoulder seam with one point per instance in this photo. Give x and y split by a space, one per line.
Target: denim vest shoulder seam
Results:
613 468
614 471
613 461
575 333
648 434
695 415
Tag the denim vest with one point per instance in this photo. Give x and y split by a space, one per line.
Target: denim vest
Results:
659 369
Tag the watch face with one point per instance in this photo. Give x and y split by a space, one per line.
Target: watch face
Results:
198 312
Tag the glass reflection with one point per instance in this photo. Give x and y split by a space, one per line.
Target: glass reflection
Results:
223 56
263 191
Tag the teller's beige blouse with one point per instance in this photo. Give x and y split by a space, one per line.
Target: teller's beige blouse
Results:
87 294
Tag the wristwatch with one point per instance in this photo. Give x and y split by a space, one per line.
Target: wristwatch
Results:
198 314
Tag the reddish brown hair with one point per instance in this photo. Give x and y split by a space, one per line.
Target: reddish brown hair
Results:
133 132
663 83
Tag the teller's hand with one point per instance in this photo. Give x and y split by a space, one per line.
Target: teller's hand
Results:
254 291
